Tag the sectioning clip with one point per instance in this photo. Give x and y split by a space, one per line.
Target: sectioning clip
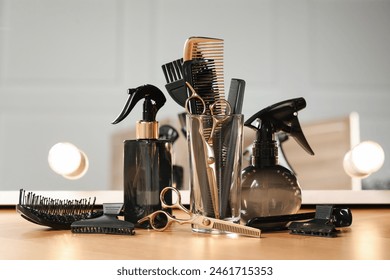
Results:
340 217
324 223
108 223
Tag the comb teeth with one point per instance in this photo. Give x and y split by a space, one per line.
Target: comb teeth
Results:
207 73
203 69
236 228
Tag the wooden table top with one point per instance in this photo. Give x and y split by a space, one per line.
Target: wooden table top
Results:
367 238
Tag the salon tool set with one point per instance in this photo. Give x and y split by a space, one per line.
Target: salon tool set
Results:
265 196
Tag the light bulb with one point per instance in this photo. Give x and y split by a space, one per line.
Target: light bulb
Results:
67 160
364 159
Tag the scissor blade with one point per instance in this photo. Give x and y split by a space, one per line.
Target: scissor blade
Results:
212 177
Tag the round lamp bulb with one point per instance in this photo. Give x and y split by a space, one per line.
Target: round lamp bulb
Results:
67 160
364 159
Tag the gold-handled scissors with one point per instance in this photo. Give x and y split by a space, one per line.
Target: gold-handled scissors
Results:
220 110
193 97
161 220
207 136
218 120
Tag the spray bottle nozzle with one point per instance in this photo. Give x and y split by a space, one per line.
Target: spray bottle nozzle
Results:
154 100
282 116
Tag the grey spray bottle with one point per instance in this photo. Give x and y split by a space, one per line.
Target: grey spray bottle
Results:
147 159
269 189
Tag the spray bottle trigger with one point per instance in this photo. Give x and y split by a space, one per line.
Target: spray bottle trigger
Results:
150 93
297 133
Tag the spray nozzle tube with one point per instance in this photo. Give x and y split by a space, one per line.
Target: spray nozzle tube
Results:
282 116
154 100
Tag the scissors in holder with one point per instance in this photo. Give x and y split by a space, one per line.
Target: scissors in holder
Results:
188 105
218 119
208 156
220 110
160 220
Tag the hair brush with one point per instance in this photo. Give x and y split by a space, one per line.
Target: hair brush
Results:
55 213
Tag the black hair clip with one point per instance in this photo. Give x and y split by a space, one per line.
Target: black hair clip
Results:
325 221
322 222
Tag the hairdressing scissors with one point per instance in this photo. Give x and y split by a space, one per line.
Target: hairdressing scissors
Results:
218 120
208 156
160 220
219 110
207 135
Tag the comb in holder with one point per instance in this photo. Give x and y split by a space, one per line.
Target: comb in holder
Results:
230 134
204 69
108 223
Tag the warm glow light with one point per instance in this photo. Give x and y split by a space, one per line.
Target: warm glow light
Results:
364 159
67 160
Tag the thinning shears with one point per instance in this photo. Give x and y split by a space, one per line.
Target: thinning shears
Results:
160 220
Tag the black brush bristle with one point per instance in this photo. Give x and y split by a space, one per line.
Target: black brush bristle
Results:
55 213
173 72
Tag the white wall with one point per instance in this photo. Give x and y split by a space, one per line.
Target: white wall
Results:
65 67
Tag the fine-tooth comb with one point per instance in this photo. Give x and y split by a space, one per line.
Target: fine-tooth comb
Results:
173 72
55 213
107 224
235 99
203 69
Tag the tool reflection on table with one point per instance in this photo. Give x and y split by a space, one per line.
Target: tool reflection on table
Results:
161 220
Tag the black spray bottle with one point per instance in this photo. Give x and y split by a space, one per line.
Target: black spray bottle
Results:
269 189
147 159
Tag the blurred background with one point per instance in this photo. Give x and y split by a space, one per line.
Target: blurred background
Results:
65 67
